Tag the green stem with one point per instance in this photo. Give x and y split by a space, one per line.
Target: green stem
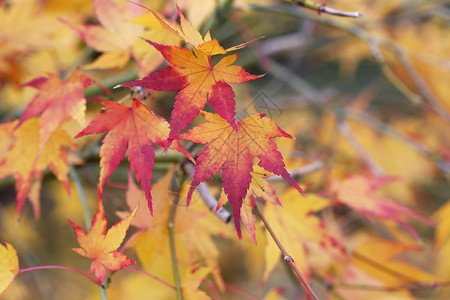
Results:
83 198
171 225
87 212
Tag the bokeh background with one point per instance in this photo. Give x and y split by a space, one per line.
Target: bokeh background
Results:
367 100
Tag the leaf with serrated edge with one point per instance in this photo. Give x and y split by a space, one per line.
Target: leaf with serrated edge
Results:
56 101
135 128
232 153
198 81
101 244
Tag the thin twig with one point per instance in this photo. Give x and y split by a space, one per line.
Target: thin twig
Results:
374 45
103 292
381 267
240 292
421 84
152 276
135 235
322 8
82 194
362 153
171 225
411 286
390 131
87 213
287 258
300 171
207 196
110 83
60 268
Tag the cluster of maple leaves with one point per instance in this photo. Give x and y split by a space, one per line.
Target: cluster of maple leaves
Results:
231 145
243 152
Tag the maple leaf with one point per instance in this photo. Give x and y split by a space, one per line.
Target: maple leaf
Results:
232 152
198 81
359 193
9 266
100 244
115 38
187 32
194 74
135 128
57 99
26 162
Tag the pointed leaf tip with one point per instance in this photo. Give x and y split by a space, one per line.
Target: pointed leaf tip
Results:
233 154
101 244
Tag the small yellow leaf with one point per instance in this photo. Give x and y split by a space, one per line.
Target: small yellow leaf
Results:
9 266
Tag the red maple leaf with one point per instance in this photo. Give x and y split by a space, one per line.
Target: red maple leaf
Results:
135 128
100 245
198 81
233 153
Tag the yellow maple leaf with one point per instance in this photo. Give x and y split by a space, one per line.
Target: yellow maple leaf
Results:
26 162
9 266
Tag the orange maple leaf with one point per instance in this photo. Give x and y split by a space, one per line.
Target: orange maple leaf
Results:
198 81
195 76
135 128
100 244
26 162
232 152
57 100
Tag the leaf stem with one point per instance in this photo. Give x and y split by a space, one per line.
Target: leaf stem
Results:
135 235
61 268
152 276
287 258
171 225
83 198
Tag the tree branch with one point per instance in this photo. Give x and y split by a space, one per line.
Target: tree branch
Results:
287 258
322 8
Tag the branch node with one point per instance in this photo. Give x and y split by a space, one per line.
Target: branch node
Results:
321 8
288 258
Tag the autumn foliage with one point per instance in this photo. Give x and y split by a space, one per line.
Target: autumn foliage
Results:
326 144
